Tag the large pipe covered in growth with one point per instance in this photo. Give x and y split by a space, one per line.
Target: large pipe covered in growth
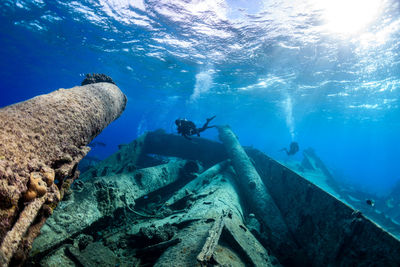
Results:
41 142
256 194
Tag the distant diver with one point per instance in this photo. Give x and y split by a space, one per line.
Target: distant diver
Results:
187 128
370 202
294 148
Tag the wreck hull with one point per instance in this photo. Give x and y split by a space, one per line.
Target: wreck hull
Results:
327 231
330 231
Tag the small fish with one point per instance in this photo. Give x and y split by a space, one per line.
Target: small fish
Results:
94 144
90 158
370 202
120 146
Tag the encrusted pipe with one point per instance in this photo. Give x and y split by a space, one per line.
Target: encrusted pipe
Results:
255 191
41 142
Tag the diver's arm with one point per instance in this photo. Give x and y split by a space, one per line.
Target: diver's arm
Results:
285 149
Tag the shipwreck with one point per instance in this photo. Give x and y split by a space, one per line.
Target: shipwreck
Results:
163 200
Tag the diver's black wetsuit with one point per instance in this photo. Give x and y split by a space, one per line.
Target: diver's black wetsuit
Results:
187 128
294 147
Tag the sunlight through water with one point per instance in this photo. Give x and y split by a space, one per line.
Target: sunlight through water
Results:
349 17
321 72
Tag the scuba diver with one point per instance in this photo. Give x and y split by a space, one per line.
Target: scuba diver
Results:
294 148
370 202
187 128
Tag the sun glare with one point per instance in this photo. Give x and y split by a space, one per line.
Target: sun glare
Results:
349 16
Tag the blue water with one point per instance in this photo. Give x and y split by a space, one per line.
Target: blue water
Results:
323 73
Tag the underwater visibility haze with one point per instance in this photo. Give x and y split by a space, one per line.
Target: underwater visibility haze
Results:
309 88
325 74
